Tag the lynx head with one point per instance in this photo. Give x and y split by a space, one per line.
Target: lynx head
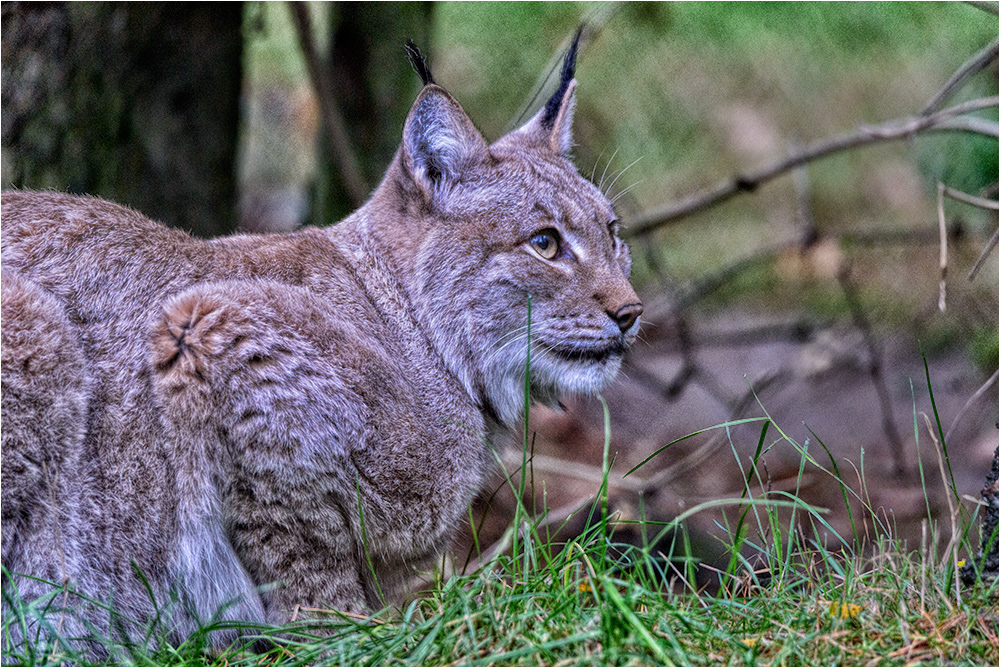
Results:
478 229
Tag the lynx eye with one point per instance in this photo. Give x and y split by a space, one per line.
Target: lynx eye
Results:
546 243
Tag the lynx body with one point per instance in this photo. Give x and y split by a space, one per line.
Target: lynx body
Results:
260 424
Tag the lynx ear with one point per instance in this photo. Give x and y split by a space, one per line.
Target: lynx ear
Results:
560 137
440 143
553 125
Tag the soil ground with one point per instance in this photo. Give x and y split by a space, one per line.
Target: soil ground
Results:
815 385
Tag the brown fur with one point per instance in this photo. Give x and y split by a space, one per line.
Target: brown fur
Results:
214 411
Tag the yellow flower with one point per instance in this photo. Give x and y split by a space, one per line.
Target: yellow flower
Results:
585 587
961 562
844 610
749 642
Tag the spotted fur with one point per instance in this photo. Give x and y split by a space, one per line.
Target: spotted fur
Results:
266 424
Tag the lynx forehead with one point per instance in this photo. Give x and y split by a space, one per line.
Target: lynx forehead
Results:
265 424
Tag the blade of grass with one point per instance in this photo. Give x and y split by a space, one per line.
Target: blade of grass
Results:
738 534
724 425
364 543
519 507
605 470
920 462
611 591
841 484
940 429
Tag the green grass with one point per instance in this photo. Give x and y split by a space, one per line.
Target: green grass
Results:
791 590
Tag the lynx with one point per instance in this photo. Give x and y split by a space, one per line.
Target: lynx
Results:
258 425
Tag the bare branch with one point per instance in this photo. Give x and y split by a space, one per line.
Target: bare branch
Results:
978 393
972 125
980 202
875 367
943 290
989 7
333 119
592 22
875 238
985 254
890 131
973 65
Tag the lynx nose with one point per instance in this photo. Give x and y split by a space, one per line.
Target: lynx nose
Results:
627 315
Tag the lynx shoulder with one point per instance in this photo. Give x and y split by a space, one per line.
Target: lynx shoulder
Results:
260 424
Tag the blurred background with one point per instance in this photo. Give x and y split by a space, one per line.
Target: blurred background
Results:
814 296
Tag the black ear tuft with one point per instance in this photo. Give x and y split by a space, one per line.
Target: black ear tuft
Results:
418 62
569 69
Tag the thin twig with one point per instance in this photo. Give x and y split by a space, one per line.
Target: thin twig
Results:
980 392
980 202
873 238
950 551
942 293
592 22
333 119
988 7
875 367
990 245
974 125
973 65
863 136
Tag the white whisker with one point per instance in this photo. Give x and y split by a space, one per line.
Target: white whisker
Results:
496 353
612 185
517 331
512 338
594 168
620 194
600 186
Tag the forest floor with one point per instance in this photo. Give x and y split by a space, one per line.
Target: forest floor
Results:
816 385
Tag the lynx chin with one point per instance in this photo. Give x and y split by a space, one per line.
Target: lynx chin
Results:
265 424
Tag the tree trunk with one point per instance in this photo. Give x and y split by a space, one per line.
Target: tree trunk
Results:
374 86
986 564
134 102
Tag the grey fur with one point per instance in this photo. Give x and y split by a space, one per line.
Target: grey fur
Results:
212 411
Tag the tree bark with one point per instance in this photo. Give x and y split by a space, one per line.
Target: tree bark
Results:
986 564
134 102
374 85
